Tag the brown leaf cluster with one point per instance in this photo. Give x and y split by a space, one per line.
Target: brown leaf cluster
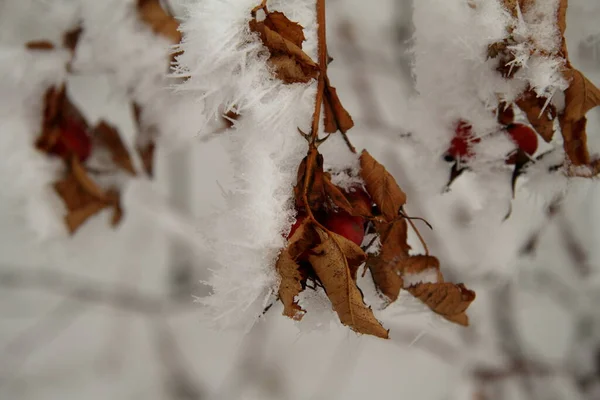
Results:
393 263
291 64
315 253
581 95
82 196
159 20
284 40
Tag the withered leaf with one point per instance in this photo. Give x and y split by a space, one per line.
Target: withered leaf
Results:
292 31
39 45
581 96
532 106
82 198
73 195
291 63
420 263
76 218
310 181
336 116
575 140
331 266
336 195
287 266
382 186
71 38
447 299
152 13
108 136
360 207
84 180
394 250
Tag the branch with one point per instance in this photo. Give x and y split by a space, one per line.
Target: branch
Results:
118 296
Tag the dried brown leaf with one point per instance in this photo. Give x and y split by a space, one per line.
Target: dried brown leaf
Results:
394 250
288 70
292 31
336 195
76 218
85 182
152 13
581 96
447 299
310 181
331 266
382 186
108 136
289 270
73 195
336 116
532 106
291 63
421 263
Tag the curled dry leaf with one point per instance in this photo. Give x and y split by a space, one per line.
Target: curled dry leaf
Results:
284 40
336 116
447 299
382 186
310 181
581 96
289 30
540 115
330 261
421 267
85 182
336 195
108 137
394 250
289 269
152 13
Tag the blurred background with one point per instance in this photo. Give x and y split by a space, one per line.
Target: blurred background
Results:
110 313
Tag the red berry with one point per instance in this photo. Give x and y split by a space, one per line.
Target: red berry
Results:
461 145
344 224
524 137
299 219
73 139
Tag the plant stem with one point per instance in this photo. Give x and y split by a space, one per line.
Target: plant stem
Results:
322 46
